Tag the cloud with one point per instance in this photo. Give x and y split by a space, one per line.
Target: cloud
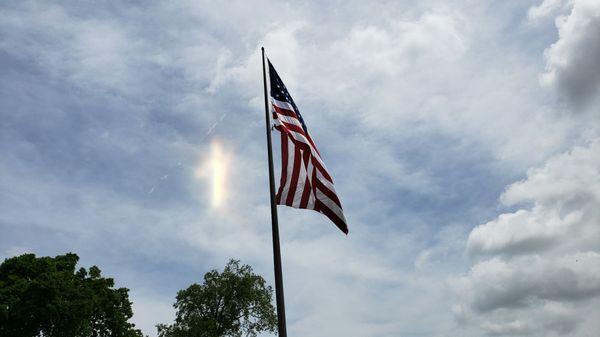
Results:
391 49
544 10
423 113
527 281
414 73
539 257
564 194
76 48
572 63
552 318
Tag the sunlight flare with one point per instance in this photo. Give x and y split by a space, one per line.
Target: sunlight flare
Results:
214 169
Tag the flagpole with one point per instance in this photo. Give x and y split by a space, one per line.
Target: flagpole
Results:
274 222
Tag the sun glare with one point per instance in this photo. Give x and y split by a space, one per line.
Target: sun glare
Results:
214 169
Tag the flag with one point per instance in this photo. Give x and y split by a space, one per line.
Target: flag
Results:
305 182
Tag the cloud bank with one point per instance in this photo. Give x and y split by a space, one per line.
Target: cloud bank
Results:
538 268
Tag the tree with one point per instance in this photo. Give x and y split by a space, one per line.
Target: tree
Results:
233 303
46 297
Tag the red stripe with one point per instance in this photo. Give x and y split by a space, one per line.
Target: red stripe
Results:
329 193
313 144
305 194
314 178
305 151
284 166
307 185
287 127
303 146
332 216
316 182
292 114
294 128
322 170
294 181
285 112
316 163
279 128
300 144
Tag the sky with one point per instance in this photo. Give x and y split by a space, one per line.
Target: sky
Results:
463 138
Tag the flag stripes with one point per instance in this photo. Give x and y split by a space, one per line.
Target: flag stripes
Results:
305 182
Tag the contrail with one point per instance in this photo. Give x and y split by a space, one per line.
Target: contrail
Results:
160 181
212 127
208 133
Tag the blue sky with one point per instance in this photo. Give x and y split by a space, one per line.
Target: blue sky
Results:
462 136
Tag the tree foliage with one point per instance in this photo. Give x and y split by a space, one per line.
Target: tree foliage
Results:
47 297
233 303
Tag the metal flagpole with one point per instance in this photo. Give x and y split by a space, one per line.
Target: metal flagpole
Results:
275 225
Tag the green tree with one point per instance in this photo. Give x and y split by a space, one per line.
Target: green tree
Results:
47 297
233 303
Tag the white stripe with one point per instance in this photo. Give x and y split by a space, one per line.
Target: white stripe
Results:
300 183
291 120
309 173
289 169
327 184
324 180
316 156
281 104
330 204
311 201
297 136
288 119
301 138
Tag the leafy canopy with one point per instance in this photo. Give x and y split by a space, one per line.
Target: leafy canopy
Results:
233 303
46 297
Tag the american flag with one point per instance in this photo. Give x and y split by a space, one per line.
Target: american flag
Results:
305 182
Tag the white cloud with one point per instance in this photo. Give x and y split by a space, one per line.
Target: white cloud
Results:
565 194
392 91
552 319
412 73
389 50
573 62
544 10
537 259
